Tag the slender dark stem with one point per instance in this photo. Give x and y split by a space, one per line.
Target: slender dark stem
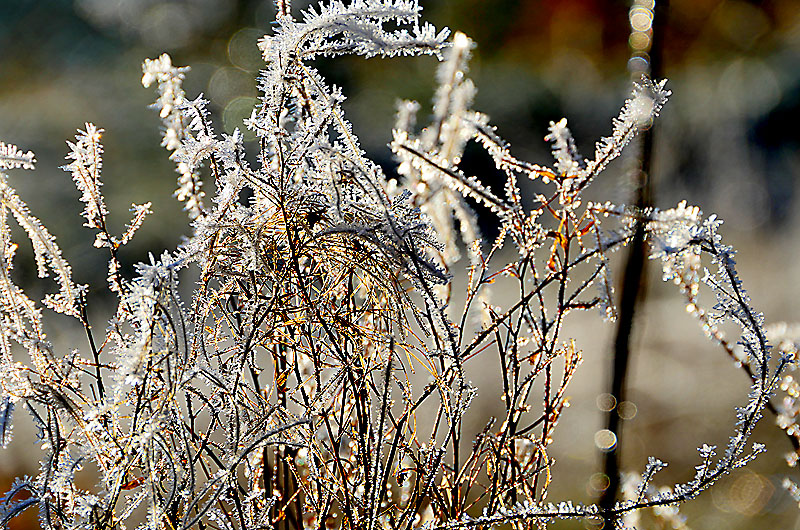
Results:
632 288
632 292
84 318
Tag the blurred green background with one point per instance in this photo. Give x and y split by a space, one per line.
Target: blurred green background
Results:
728 141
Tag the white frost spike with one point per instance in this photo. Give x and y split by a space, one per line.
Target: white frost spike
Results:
406 116
429 161
140 211
170 103
11 157
169 79
568 161
645 103
450 75
87 161
46 252
356 28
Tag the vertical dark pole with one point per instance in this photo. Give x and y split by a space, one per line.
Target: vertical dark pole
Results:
632 284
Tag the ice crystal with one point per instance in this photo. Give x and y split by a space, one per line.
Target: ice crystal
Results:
12 157
170 105
86 154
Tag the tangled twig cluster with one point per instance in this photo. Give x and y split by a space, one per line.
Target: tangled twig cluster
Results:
286 392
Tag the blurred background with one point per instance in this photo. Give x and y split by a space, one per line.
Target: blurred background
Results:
728 141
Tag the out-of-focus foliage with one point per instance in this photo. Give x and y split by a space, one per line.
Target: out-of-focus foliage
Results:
730 140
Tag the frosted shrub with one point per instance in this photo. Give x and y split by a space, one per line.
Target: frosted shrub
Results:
282 393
